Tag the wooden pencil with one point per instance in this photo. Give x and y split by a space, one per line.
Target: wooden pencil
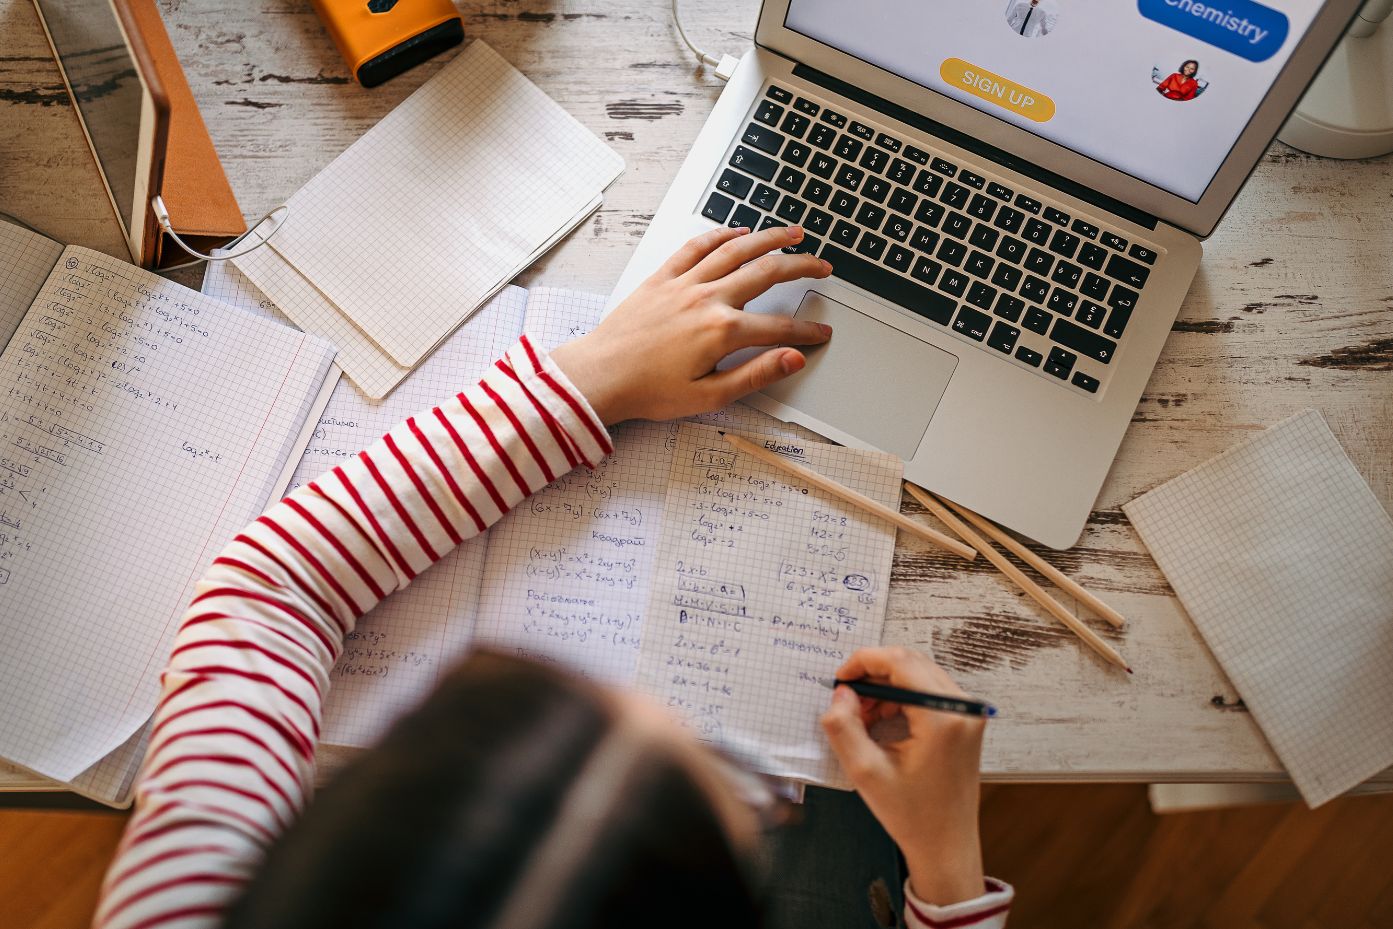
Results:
1054 575
859 500
1032 589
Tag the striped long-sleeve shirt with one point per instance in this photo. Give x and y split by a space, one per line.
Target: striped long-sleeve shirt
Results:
231 756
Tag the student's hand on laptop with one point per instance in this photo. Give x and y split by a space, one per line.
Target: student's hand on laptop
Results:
924 788
654 356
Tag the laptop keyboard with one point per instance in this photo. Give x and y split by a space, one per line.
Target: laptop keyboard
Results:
1044 289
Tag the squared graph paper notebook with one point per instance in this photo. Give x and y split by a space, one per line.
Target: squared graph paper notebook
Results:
435 208
568 576
1283 558
142 424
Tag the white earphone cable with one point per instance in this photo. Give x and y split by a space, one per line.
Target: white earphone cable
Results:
162 217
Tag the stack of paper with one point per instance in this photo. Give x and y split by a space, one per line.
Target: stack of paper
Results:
1283 557
408 232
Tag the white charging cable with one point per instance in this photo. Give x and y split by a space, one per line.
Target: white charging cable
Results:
725 65
162 217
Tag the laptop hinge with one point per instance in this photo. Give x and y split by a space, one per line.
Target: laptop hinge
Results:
976 146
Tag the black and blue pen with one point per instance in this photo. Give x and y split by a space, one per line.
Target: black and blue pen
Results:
915 698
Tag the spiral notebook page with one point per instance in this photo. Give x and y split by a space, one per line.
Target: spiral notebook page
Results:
1283 557
762 586
143 425
465 181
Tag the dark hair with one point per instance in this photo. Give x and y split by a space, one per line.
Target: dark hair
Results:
438 825
1188 61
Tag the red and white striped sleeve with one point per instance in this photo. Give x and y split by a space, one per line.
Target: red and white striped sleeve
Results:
231 757
988 911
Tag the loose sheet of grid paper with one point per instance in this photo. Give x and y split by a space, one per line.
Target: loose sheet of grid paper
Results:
762 586
398 651
142 425
463 182
1283 557
569 573
277 284
25 260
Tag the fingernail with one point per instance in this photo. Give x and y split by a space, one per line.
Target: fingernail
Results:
791 362
826 265
826 329
795 232
742 230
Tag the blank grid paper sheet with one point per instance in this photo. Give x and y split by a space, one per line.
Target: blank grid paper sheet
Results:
1283 558
143 424
762 586
463 183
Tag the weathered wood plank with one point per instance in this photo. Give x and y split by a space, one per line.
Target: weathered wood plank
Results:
1293 308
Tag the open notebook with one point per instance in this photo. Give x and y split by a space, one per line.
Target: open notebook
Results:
142 424
580 571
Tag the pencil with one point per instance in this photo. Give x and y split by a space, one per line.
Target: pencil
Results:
850 496
915 698
1057 577
1032 589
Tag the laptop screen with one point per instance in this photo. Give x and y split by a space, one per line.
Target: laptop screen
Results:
1158 89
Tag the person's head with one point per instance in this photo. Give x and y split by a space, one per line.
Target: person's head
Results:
516 797
1190 67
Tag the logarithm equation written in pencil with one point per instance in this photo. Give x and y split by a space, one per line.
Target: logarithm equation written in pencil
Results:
762 584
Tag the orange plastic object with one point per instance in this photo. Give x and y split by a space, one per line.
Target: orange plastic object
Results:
382 38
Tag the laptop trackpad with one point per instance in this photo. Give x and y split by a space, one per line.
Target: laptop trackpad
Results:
870 380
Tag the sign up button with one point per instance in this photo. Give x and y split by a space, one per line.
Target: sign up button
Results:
994 88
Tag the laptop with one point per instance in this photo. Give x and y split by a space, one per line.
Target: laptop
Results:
1012 195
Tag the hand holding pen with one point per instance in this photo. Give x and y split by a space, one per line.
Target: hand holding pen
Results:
943 703
923 788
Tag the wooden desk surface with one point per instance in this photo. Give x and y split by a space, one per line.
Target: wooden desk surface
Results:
1292 308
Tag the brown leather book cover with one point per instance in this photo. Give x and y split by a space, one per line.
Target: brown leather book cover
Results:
201 206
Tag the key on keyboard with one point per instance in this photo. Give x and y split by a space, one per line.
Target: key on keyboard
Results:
1053 293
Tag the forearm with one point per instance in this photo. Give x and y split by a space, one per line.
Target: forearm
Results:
944 878
231 757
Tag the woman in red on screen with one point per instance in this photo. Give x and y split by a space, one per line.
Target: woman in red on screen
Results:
1181 85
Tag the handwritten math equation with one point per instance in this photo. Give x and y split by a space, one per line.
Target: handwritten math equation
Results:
762 585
